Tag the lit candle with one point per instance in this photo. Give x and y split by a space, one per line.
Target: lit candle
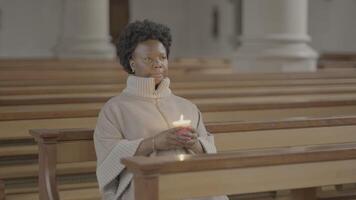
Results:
181 157
182 122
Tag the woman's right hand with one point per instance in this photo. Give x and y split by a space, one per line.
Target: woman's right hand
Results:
168 140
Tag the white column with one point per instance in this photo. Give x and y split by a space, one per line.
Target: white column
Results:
85 30
275 37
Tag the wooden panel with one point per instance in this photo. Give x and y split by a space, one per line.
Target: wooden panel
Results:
206 105
2 190
76 151
104 95
31 170
97 89
81 194
187 82
284 138
278 114
18 150
19 129
255 179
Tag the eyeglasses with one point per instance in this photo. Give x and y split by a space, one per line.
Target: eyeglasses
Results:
151 62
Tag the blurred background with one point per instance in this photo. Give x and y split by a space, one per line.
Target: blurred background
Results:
200 28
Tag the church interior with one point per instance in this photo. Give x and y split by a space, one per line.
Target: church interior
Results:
274 81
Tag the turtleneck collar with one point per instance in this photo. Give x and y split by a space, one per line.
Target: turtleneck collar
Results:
145 87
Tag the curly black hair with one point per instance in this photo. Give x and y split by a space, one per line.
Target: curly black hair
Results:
137 32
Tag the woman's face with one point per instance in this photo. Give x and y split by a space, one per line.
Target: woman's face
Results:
150 60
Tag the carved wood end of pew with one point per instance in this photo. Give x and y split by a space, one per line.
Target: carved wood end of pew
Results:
47 140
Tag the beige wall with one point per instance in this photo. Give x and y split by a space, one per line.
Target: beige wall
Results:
332 25
29 28
191 24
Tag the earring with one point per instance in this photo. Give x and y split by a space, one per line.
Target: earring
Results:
132 65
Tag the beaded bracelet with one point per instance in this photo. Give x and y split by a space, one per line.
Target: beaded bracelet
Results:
153 144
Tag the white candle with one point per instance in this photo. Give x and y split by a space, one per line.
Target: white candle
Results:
182 122
181 157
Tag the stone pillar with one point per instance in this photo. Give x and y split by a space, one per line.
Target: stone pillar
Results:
274 37
84 32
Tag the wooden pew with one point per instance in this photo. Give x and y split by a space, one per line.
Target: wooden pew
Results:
41 64
243 139
102 96
82 64
2 190
336 64
237 108
337 60
300 169
196 61
54 64
16 128
338 79
339 56
28 67
211 65
52 145
72 78
228 137
180 90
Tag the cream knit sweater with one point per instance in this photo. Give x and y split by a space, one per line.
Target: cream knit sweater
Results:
140 111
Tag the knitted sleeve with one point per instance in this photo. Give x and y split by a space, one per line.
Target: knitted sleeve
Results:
111 147
205 138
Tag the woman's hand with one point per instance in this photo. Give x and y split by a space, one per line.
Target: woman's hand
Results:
174 138
168 139
187 136
191 140
180 137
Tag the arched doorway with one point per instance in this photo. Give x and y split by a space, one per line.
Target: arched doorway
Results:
119 17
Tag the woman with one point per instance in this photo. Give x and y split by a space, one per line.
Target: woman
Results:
139 120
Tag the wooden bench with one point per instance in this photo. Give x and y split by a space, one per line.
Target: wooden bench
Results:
80 64
56 64
2 190
337 60
15 129
228 137
235 108
338 56
184 89
336 64
54 123
78 77
179 84
53 97
186 65
243 140
301 169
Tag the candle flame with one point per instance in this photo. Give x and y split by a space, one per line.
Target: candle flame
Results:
181 157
